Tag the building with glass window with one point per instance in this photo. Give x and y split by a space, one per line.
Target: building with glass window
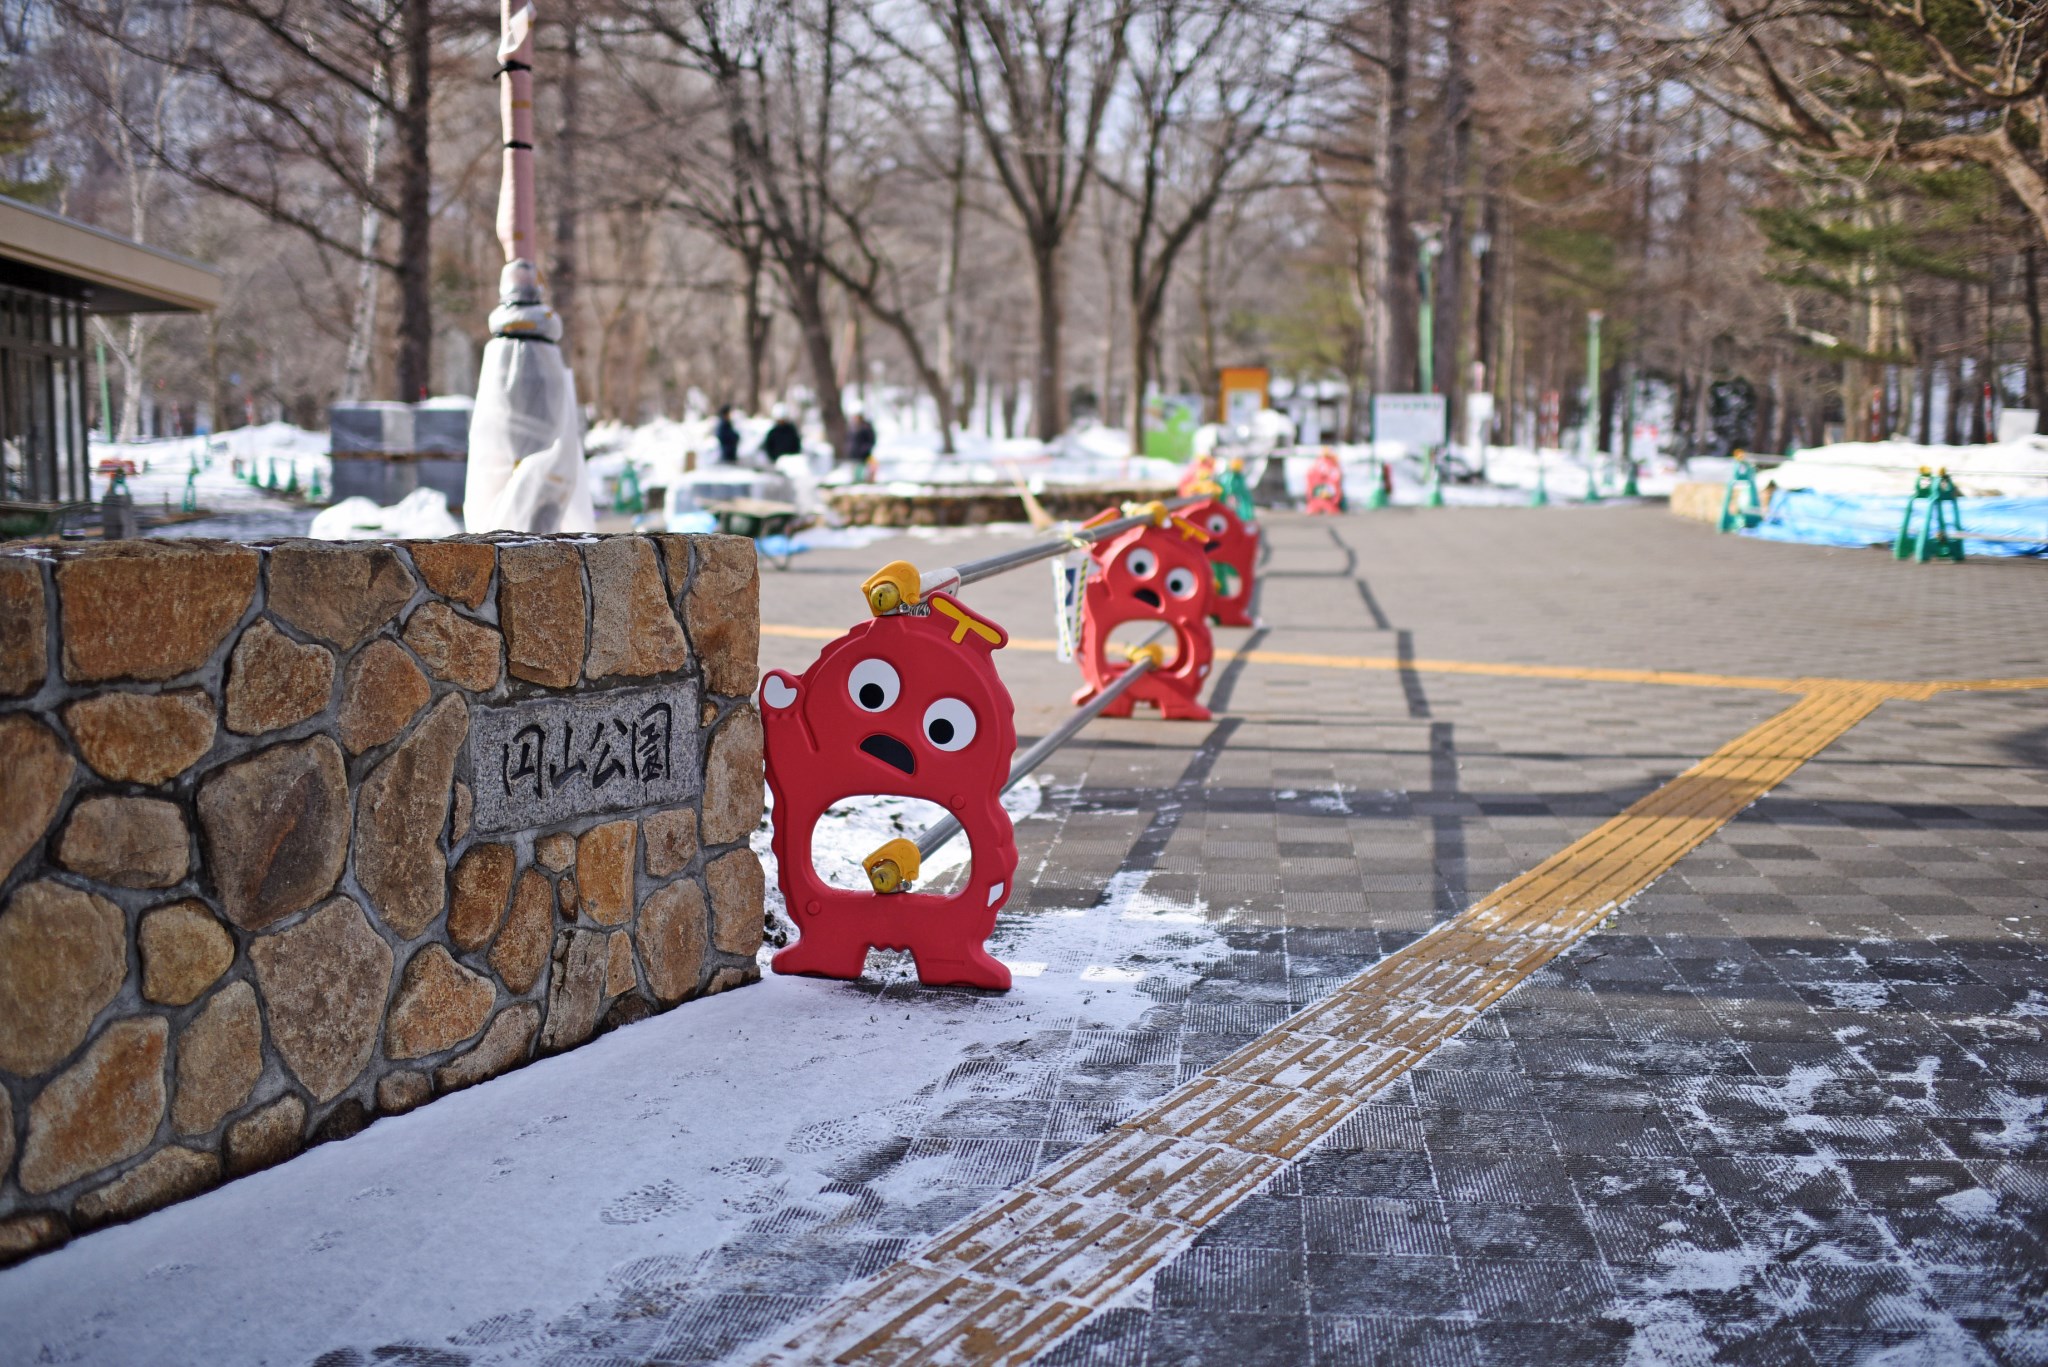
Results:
54 274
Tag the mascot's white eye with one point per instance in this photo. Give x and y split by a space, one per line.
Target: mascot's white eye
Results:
873 685
1218 524
1181 583
1141 562
949 724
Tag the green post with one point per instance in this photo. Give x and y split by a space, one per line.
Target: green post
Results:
1377 498
1426 324
1541 498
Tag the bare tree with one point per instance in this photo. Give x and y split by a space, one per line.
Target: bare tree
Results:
1039 78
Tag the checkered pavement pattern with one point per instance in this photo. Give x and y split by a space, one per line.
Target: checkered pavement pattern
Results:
1786 1108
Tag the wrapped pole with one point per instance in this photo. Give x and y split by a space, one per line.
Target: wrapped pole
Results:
526 471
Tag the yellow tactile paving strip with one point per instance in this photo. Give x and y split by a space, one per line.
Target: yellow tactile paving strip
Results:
1011 1280
1669 678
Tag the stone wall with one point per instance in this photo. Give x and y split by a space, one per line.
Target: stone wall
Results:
293 835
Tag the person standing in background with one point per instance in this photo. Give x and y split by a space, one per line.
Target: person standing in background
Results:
860 442
783 439
728 436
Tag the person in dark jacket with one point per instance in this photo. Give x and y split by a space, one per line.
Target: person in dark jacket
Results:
728 436
860 438
783 439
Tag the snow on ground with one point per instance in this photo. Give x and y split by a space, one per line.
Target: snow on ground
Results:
501 1216
2012 469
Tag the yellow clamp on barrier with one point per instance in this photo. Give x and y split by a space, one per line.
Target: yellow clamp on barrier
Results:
1155 652
893 867
1156 510
1188 530
894 586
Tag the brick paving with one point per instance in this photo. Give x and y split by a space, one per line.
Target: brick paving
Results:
1785 1108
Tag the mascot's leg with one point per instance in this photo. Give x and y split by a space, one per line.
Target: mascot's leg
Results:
825 950
955 965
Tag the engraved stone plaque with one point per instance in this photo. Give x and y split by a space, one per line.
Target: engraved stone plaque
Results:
554 759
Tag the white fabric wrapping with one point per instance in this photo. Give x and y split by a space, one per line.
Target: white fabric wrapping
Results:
526 470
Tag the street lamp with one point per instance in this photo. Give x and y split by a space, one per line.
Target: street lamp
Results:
1592 419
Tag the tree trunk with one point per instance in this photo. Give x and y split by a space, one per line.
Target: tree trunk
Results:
2037 355
1144 327
362 337
1404 368
807 303
1048 402
568 186
754 325
1450 293
415 205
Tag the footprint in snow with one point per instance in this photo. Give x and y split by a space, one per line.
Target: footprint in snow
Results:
648 1203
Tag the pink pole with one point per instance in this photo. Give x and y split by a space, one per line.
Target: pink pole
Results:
515 92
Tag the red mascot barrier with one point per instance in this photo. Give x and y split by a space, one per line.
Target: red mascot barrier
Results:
1326 485
1234 549
1155 573
909 704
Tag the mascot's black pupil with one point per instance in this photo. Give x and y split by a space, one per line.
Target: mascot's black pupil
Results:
940 731
871 696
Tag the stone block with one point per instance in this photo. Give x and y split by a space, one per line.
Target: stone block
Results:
604 872
521 950
382 691
104 1108
555 853
541 608
24 627
338 593
147 738
439 1004
576 992
504 1046
725 979
566 895
672 940
483 882
166 1176
465 653
723 610
150 609
733 779
324 983
266 1137
131 842
455 569
6 1134
35 771
400 813
277 830
184 952
459 815
24 1235
220 1056
619 972
63 956
633 630
274 681
669 840
547 761
402 1091
737 889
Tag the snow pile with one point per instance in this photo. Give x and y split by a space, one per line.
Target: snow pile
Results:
2013 469
420 515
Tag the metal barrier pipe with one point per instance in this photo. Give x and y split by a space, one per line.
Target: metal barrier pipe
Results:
941 831
886 593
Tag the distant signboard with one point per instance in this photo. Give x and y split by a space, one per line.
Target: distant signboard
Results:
1241 394
1417 420
1170 423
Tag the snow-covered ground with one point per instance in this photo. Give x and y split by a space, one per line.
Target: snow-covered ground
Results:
551 1188
2010 469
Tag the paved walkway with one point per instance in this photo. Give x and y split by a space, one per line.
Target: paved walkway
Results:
1672 1000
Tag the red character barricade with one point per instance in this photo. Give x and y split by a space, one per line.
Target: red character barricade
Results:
1326 485
908 704
1234 551
1155 573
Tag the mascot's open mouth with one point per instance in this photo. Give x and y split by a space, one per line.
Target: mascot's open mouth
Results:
1147 597
891 752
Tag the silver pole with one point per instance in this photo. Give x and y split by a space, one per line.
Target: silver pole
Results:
886 597
940 832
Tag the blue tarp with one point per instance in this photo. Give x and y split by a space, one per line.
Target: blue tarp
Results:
1816 519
